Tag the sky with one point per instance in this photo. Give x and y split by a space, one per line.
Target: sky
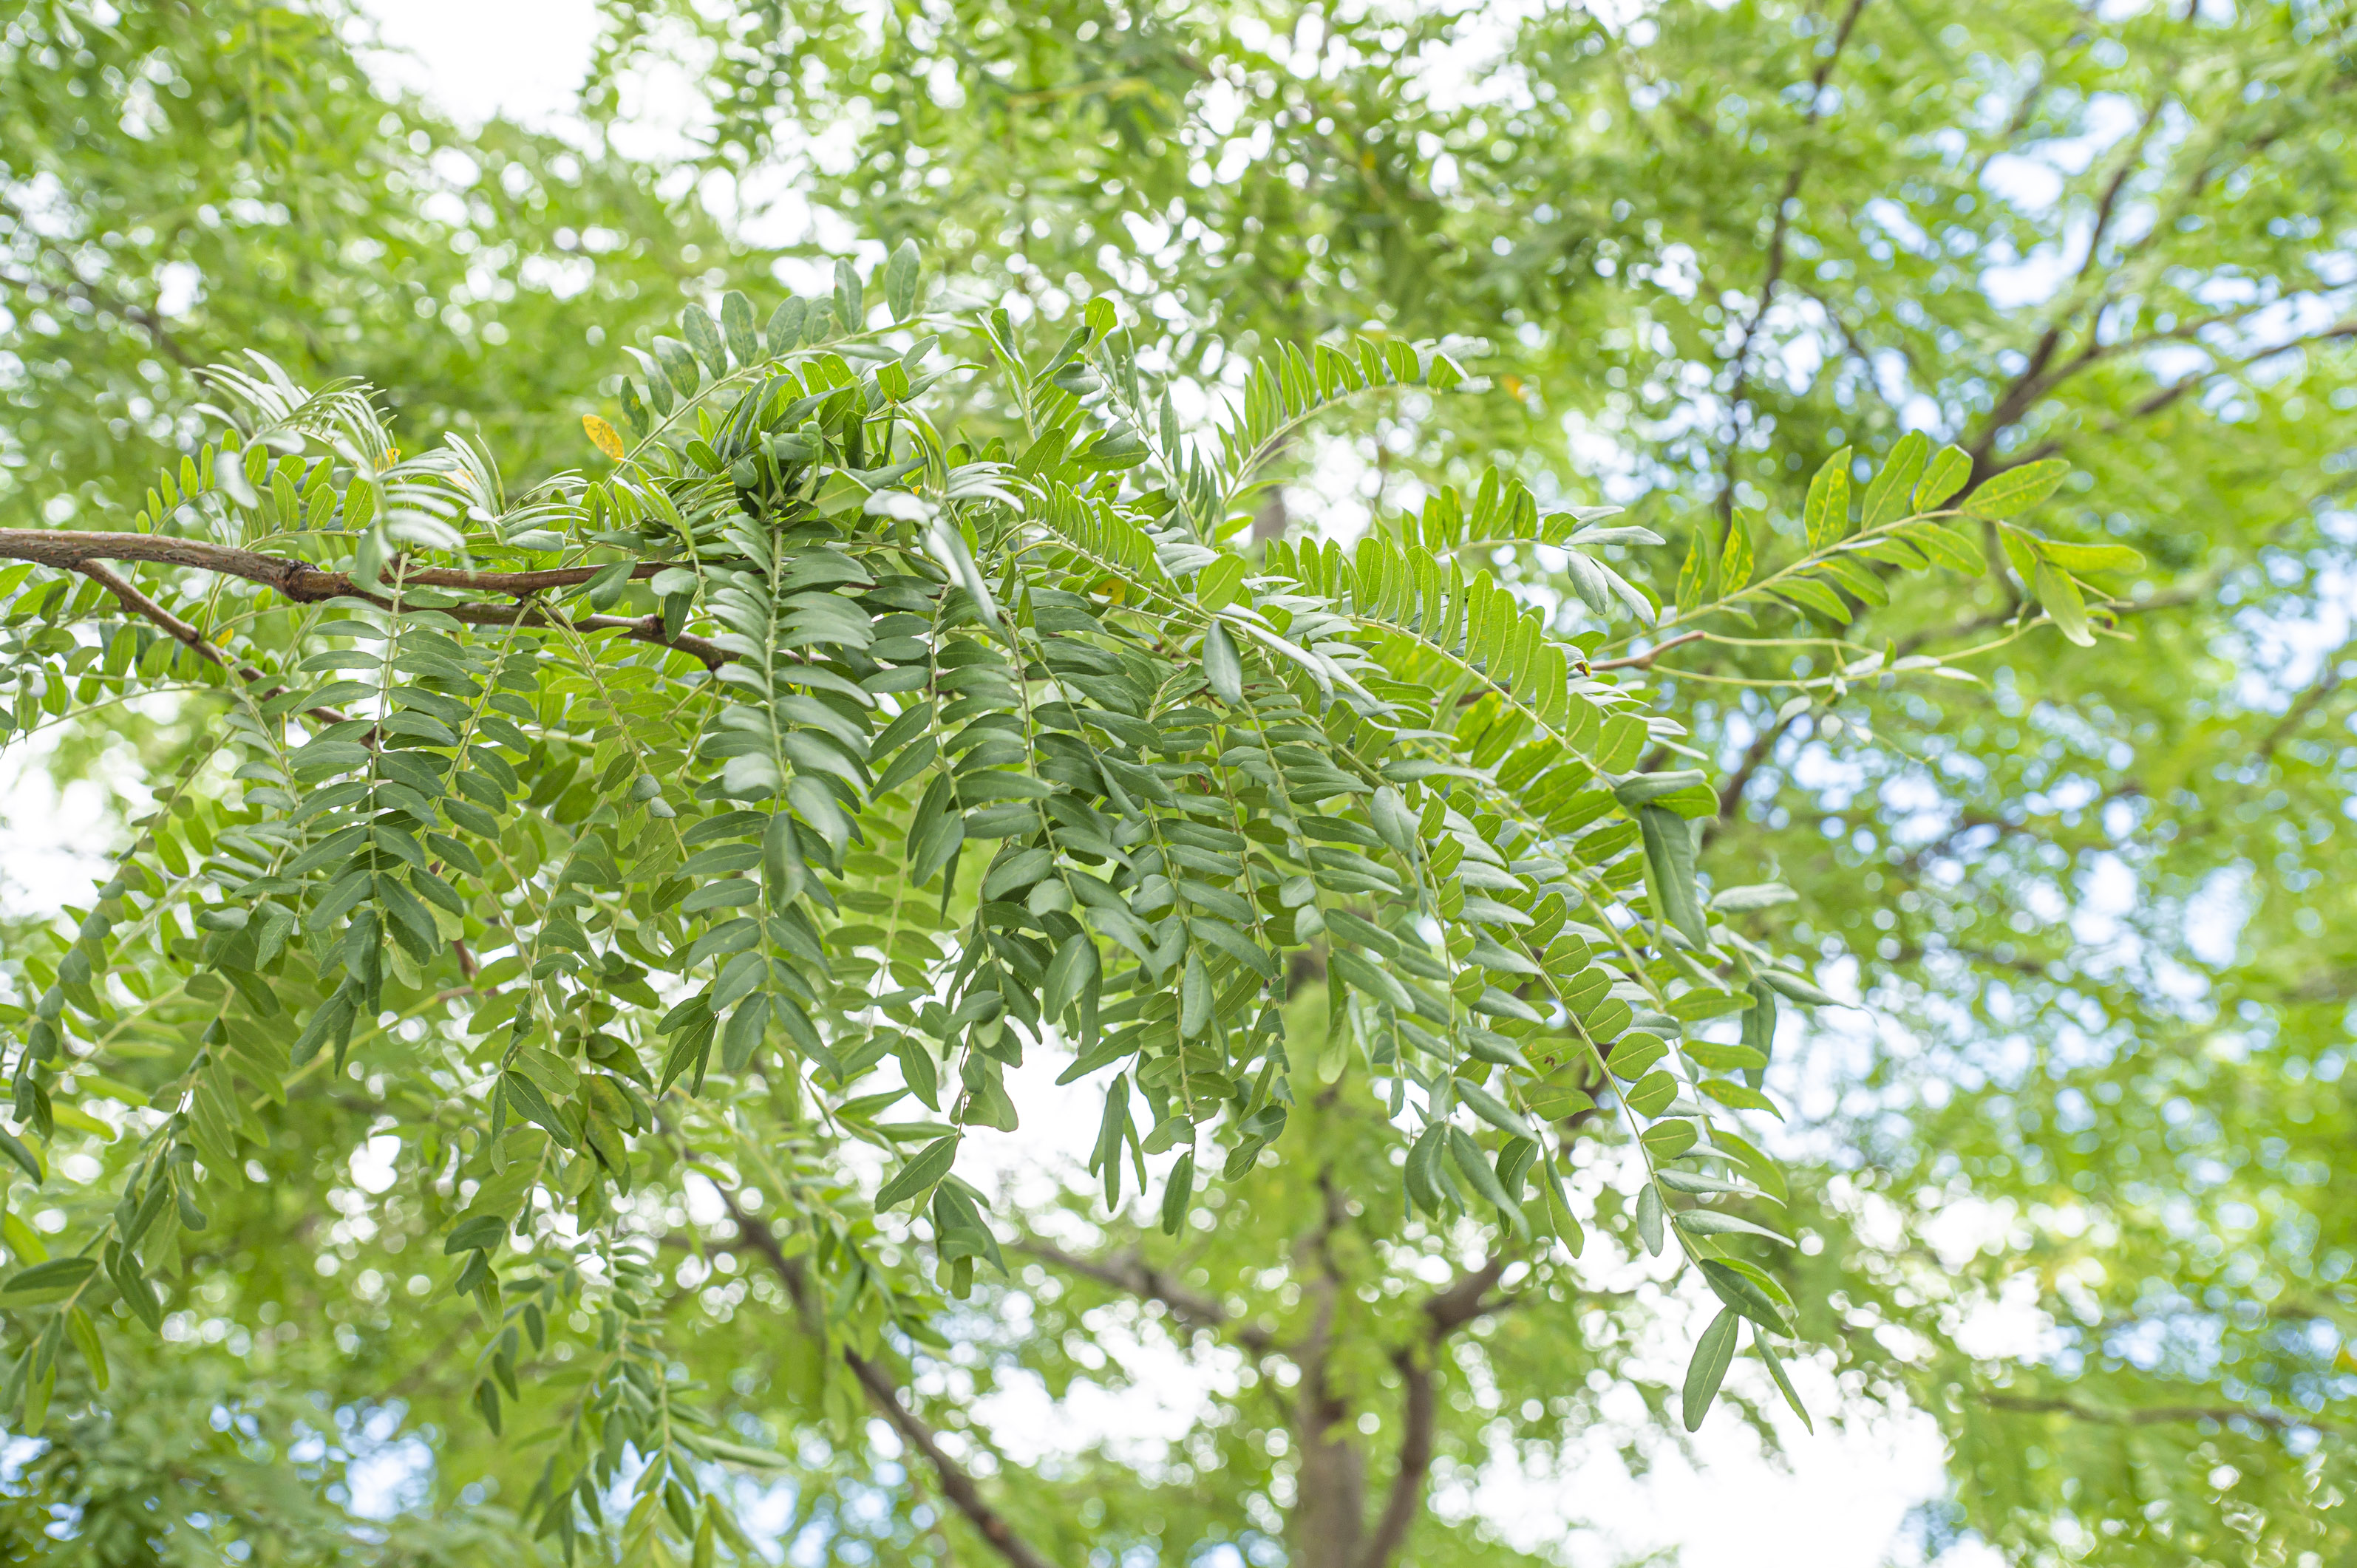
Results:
1839 1500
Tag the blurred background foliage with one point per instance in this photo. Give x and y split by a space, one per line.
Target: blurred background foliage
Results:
2067 1181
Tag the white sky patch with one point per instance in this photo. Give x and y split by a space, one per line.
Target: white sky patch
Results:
524 60
52 842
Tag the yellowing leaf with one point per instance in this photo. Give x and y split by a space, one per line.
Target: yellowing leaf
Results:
603 436
1735 557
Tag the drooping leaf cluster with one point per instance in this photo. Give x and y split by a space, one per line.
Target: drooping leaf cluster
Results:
813 746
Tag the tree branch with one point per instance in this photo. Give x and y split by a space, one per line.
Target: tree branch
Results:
295 579
75 287
2328 678
1755 757
1639 660
957 1485
2034 381
72 549
1328 1516
1420 1406
1445 1312
2152 1415
1133 1275
1778 238
1462 1302
140 604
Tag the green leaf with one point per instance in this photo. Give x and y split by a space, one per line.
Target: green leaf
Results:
17 1150
1697 579
1736 557
740 1037
737 325
785 329
1943 475
1393 824
1710 1222
1784 1383
1948 546
479 1233
1071 972
1650 1214
901 278
1177 1191
1787 983
1743 1292
1888 493
1809 594
1195 1001
703 337
2059 597
1741 1097
1222 667
1669 871
1560 1220
45 1284
1466 1156
850 300
1492 1110
1652 1094
1712 1353
1217 585
2091 557
2017 490
921 1174
1825 515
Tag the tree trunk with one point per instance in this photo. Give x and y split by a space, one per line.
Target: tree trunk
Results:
1329 1508
1271 521
1330 1504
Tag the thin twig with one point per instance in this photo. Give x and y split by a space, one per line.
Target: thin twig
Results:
1779 235
1639 660
1134 1275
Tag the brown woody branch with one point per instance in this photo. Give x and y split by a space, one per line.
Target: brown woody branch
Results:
140 604
1132 1275
295 579
1465 1300
1639 660
2039 377
75 549
957 1483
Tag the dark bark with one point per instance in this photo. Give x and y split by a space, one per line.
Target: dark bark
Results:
128 595
77 549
